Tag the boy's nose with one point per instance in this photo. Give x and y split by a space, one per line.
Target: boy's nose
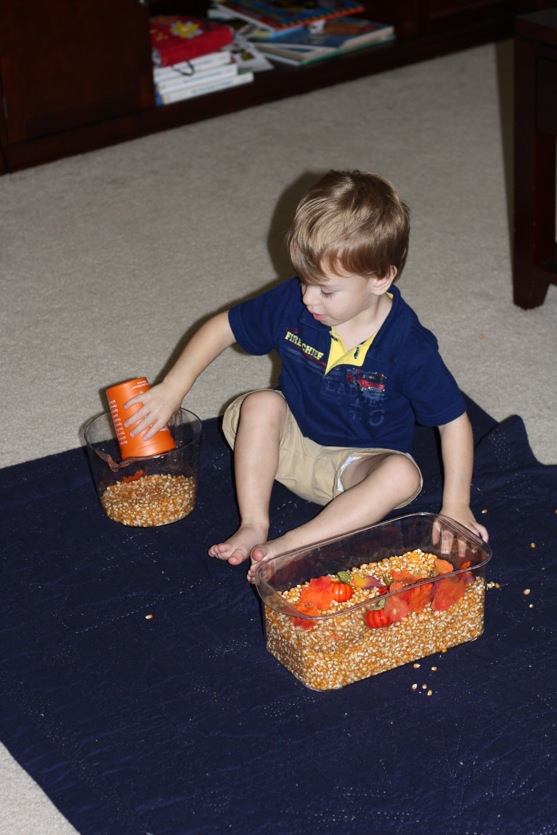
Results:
308 295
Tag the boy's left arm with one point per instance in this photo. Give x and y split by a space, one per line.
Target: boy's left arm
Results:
457 448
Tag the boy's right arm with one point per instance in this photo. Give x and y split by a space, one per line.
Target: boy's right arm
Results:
161 401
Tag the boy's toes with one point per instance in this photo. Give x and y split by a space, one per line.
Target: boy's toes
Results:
258 553
217 550
237 556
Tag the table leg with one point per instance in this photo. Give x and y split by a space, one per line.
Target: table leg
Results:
534 185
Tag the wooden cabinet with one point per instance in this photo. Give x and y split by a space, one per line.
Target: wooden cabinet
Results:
65 65
453 18
77 75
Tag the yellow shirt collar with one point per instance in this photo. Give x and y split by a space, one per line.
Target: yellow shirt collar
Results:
339 355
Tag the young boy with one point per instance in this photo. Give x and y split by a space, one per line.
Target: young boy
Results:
358 370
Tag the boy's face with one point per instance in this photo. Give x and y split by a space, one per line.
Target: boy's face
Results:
339 299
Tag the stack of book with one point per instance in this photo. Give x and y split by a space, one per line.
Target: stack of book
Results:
206 74
318 41
274 16
303 32
193 57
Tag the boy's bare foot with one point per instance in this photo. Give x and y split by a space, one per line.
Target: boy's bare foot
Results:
257 554
265 551
237 548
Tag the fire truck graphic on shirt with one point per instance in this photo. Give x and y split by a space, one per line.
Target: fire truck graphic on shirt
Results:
370 387
370 383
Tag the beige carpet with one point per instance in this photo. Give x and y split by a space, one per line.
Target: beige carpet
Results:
106 260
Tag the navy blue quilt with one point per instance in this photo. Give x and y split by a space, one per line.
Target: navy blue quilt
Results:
183 723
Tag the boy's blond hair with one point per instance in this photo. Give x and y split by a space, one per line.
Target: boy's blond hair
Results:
349 222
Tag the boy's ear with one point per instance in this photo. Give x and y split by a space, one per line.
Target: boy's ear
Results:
382 283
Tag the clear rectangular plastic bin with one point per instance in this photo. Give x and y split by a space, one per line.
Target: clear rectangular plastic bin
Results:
437 601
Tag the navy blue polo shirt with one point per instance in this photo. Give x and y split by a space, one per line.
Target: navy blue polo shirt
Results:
403 379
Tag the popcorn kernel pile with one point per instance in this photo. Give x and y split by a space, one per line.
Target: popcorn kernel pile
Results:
150 500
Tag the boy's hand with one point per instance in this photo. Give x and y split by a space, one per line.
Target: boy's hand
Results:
457 446
463 515
161 402
158 405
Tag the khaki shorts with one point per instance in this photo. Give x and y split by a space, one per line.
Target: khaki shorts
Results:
309 470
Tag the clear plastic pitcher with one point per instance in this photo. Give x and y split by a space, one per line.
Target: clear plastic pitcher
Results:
147 490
